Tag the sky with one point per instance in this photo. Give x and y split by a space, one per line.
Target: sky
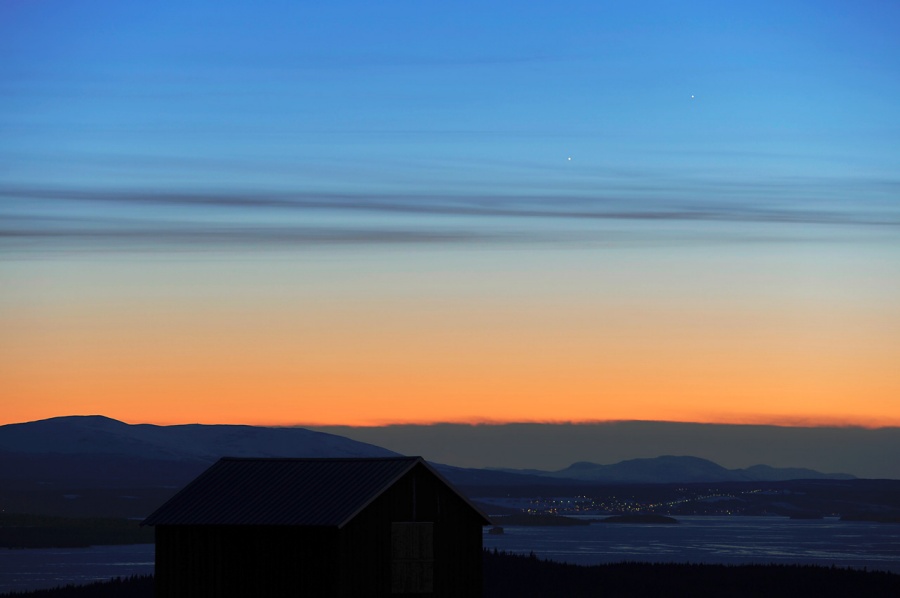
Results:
361 213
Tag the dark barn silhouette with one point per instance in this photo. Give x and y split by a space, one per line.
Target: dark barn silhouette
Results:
318 527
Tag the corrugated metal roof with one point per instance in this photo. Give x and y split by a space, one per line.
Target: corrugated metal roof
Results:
310 492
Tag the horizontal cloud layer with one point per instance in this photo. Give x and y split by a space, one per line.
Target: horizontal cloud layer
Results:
185 218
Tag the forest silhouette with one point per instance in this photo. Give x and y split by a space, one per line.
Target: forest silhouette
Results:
526 576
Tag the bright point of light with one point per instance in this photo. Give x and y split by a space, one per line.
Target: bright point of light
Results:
692 96
569 158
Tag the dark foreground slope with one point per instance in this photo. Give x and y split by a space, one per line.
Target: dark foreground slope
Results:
516 576
508 576
138 586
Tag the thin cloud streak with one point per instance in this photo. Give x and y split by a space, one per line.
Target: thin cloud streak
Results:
44 218
113 235
522 206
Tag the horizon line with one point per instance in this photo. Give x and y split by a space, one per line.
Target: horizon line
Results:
799 423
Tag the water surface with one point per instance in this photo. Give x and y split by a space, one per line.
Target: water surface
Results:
723 540
37 568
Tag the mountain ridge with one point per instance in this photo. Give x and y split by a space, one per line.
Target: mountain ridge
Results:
196 445
95 465
97 434
677 469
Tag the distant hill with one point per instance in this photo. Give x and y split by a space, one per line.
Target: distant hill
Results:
95 434
108 450
671 469
105 451
94 465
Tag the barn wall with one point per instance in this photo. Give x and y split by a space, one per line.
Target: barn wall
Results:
240 561
418 496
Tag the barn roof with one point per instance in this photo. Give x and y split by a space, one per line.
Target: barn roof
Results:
304 492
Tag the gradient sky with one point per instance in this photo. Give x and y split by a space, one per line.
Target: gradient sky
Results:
378 212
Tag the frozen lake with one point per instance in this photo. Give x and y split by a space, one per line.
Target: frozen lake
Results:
729 540
36 568
725 540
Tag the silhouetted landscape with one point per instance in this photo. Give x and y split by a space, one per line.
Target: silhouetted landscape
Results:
509 576
362 299
86 481
138 586
518 576
858 500
99 467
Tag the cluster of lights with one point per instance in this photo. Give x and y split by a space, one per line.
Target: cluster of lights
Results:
581 505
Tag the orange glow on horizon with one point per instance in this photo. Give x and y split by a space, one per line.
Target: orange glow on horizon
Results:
557 355
357 373
737 420
743 420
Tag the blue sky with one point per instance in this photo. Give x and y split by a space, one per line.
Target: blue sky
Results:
426 98
734 165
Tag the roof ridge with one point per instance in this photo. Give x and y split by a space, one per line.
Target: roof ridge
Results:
283 491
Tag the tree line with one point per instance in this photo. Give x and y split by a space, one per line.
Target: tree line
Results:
526 576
